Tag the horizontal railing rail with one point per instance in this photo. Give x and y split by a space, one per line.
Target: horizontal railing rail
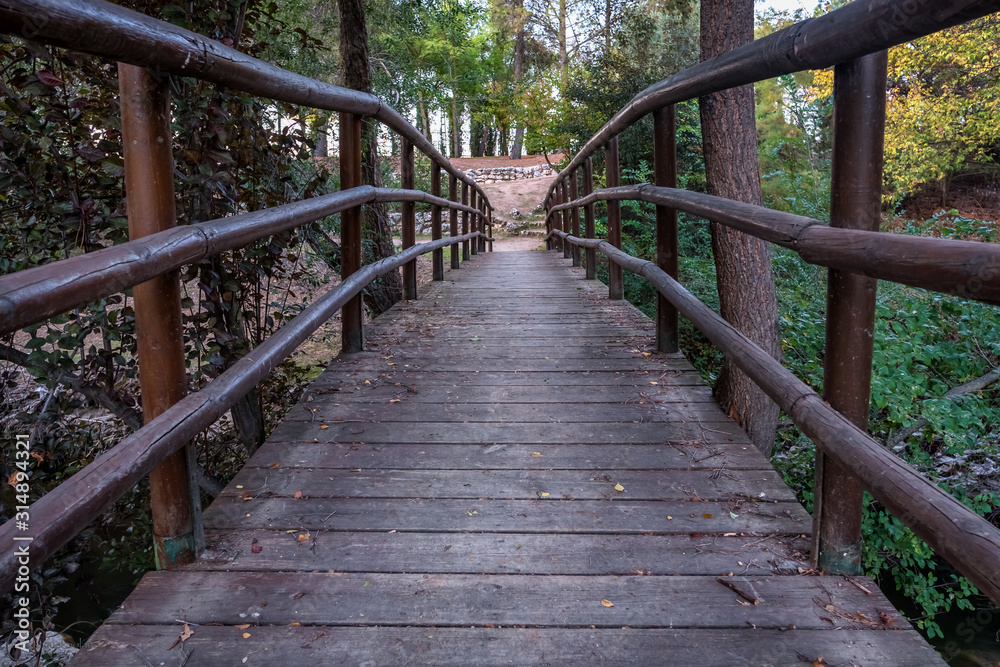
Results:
963 268
103 29
36 294
76 502
850 32
965 539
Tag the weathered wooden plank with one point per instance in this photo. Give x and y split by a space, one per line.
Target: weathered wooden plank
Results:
467 600
402 410
422 456
717 484
498 395
739 515
560 433
502 553
143 645
469 378
471 359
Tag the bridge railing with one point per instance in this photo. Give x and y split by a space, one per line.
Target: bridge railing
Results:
147 51
853 40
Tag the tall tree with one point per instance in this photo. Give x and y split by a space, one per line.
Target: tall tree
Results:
356 68
743 263
518 18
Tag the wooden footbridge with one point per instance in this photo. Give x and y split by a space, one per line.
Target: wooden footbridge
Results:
512 468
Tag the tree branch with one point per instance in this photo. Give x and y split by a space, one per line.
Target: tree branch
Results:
970 387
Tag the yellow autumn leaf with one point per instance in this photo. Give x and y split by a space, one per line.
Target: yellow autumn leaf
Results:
324 426
394 400
654 383
619 488
536 454
392 363
303 537
246 635
242 626
607 603
295 624
647 354
544 494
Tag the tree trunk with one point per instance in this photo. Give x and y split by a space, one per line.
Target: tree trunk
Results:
515 150
563 52
743 263
423 120
380 295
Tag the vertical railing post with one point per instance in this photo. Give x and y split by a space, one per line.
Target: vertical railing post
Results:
408 221
352 333
588 218
856 199
453 218
574 194
465 222
566 227
555 222
474 218
612 177
149 190
482 223
489 217
438 255
665 159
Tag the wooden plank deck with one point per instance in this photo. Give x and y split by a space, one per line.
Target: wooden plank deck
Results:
449 496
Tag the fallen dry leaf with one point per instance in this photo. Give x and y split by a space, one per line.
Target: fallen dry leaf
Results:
256 549
303 537
242 626
544 494
324 426
537 454
707 516
297 494
246 635
607 603
619 488
394 400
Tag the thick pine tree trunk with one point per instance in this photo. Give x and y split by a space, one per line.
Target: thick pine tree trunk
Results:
743 263
387 290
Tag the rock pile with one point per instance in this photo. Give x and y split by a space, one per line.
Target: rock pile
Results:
492 175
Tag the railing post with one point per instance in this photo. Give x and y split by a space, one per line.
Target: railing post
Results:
438 255
855 203
465 222
665 159
574 194
489 217
566 246
588 217
453 218
612 177
352 333
149 190
555 222
482 223
474 218
408 221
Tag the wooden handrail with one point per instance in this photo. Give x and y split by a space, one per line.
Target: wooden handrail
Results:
35 294
962 537
65 510
855 30
110 31
962 268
